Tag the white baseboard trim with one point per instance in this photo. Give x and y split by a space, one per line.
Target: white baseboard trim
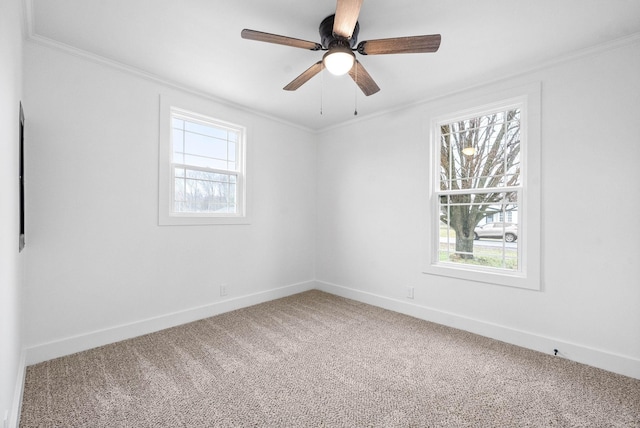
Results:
16 407
620 364
70 345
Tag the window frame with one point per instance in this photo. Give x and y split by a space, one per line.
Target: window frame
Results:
198 113
527 98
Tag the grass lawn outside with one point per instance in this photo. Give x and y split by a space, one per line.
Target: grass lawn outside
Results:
497 257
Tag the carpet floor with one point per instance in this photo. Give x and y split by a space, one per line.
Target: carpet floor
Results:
318 360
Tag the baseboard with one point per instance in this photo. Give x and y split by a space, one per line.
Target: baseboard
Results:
71 345
16 407
620 364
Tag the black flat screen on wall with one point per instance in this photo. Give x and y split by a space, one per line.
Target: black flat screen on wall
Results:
21 178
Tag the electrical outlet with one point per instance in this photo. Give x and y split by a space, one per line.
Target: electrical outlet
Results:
223 289
409 292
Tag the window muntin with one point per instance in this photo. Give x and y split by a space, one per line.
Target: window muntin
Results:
480 176
499 248
205 166
481 152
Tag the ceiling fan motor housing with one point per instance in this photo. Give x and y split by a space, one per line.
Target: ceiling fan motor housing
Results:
329 40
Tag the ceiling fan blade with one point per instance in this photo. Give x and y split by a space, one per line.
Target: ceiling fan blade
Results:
396 45
363 79
280 40
305 76
347 12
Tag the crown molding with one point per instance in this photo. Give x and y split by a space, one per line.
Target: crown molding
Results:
31 36
573 56
29 28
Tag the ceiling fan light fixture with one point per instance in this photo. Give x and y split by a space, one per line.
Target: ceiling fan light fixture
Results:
339 37
339 60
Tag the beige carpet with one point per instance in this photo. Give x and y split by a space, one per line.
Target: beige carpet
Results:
317 360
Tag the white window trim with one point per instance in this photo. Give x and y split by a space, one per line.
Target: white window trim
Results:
529 275
166 216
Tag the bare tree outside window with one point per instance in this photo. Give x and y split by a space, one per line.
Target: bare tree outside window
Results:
204 192
480 170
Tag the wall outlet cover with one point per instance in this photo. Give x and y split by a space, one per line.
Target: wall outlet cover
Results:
410 292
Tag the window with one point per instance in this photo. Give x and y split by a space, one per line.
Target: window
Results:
479 176
202 169
485 194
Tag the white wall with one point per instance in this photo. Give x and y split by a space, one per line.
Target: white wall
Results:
372 194
99 267
11 262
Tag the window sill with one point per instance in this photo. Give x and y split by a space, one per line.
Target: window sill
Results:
187 220
476 274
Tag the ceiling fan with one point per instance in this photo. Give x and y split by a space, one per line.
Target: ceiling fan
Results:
338 36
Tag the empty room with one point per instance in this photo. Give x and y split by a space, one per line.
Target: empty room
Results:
334 213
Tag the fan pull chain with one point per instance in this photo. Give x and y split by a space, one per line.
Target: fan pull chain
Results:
321 89
355 94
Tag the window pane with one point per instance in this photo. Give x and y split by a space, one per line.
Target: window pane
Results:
205 146
177 140
177 123
232 148
205 162
467 234
206 130
205 192
481 152
208 176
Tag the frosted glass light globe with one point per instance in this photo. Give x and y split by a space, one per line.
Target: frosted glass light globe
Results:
339 60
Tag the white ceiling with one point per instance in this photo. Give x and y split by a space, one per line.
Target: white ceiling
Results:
197 44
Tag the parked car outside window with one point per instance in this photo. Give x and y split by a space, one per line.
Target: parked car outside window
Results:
506 231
